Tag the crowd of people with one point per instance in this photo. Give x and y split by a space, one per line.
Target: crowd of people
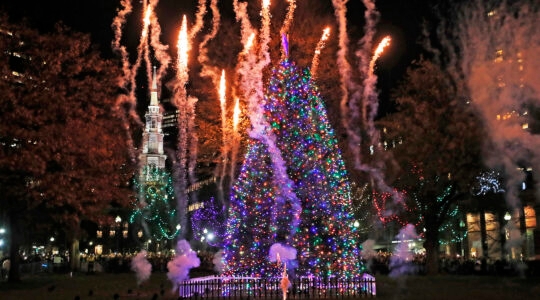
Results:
384 262
380 263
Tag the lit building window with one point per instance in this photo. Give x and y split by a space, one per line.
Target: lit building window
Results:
499 56
530 217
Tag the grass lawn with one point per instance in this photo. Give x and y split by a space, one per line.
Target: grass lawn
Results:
124 286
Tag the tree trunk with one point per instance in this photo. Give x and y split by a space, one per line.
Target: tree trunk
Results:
431 244
14 274
74 255
483 236
523 231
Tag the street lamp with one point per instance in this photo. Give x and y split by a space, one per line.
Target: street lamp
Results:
118 221
2 232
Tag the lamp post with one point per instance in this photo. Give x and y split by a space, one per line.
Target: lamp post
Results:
2 241
505 235
118 232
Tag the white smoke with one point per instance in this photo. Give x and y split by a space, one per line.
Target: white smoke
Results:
367 249
141 266
219 264
185 260
283 254
401 261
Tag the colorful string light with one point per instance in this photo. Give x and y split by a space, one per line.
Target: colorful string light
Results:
155 206
326 239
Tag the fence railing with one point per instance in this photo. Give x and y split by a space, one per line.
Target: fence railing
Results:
214 287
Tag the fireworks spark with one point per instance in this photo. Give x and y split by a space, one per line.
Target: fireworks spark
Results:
236 115
183 46
320 46
385 42
287 23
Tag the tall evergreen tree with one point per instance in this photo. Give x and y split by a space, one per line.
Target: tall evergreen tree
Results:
208 223
325 237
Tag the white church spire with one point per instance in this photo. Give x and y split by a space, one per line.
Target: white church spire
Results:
153 91
152 141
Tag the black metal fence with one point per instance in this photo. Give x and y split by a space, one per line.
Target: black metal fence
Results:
214 287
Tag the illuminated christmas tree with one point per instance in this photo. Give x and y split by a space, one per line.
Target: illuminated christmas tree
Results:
208 222
155 209
325 238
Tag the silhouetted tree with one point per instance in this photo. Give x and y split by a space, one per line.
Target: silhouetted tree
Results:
438 142
63 152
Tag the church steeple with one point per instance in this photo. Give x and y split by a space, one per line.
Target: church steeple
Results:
153 91
152 141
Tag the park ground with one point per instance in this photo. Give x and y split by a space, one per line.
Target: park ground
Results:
124 286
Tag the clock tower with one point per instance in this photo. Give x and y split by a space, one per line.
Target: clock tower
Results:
152 156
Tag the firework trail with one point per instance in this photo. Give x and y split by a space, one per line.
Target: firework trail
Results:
318 49
194 141
160 50
225 147
207 70
199 20
118 23
146 49
370 97
187 150
247 32
142 53
281 178
211 71
370 102
366 58
288 18
359 92
265 38
180 101
287 24
235 137
345 71
247 38
250 69
124 82
246 61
